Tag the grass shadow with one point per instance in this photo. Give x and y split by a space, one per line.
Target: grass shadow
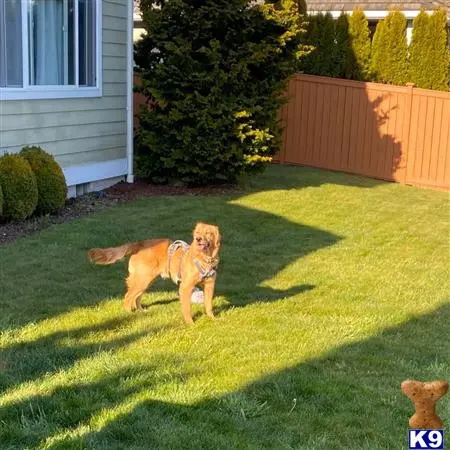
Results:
42 415
60 350
264 294
294 177
347 398
49 274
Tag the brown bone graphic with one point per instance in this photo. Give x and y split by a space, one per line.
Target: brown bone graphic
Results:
424 396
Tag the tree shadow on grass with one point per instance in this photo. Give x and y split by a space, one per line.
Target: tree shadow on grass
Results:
294 177
348 398
49 274
60 350
65 407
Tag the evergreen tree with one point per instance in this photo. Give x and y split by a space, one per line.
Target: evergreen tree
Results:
344 58
390 50
419 51
397 69
439 54
326 47
214 73
360 44
378 51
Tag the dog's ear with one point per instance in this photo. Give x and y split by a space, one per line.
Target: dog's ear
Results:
197 228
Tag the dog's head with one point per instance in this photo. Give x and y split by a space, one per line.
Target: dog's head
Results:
206 239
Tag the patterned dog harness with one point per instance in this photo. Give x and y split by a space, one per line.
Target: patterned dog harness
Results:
185 247
173 247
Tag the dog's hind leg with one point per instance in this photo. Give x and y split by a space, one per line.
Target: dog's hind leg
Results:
139 278
136 288
137 303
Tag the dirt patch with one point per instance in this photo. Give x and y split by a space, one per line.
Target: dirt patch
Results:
82 206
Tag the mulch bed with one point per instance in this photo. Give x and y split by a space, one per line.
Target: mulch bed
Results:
96 201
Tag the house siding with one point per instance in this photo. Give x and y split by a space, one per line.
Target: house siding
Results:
78 131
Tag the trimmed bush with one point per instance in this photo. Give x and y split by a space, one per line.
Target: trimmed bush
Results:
18 183
358 30
390 51
50 179
215 74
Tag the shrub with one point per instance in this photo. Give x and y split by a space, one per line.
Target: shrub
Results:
212 72
18 183
390 50
1 202
360 44
50 179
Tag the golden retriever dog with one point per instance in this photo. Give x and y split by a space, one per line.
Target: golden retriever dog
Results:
187 265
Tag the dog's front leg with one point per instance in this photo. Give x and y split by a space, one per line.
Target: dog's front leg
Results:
185 298
208 293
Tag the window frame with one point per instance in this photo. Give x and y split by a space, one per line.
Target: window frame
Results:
40 92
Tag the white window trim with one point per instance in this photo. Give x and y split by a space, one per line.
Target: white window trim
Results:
55 92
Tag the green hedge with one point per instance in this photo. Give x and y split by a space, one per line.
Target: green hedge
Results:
50 179
19 186
429 55
342 48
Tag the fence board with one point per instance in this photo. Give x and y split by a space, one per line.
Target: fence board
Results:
393 133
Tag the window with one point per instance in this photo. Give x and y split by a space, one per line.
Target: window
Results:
49 48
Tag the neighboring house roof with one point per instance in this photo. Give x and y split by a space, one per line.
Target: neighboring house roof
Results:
348 5
376 5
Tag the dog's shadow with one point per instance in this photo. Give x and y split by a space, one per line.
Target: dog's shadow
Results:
262 294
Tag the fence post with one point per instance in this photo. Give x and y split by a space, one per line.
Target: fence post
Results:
410 87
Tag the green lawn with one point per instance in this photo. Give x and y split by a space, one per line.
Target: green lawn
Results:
332 290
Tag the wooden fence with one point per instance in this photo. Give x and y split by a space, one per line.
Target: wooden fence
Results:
393 133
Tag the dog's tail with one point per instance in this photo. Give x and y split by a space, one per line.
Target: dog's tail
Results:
110 255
